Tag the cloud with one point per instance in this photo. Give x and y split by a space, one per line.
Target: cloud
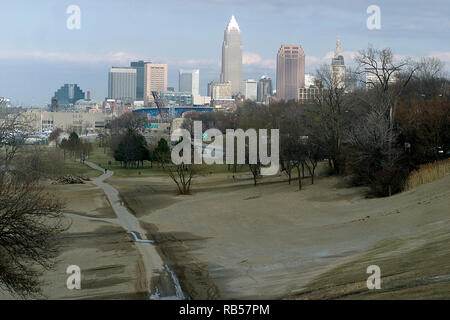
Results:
111 57
255 60
312 62
441 55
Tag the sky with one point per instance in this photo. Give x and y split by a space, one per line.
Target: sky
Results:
38 53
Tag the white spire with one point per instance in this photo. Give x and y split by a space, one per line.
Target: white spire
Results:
338 51
233 24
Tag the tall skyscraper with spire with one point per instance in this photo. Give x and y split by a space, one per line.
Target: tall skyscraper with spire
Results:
232 56
338 66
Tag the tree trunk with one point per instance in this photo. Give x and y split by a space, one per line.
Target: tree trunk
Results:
299 178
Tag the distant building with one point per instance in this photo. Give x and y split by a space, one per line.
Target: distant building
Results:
87 106
177 98
264 89
221 91
69 94
54 104
309 80
232 56
201 100
338 67
140 72
306 95
189 81
209 89
122 83
372 77
155 79
79 122
250 89
290 71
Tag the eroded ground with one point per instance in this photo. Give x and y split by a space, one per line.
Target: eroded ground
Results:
232 240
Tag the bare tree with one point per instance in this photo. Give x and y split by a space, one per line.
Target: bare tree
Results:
182 174
130 121
329 113
374 160
14 129
29 221
387 78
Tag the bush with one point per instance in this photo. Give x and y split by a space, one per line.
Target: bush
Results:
428 173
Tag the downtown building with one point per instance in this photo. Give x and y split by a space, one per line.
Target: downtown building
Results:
122 83
68 94
221 91
232 57
290 71
338 67
264 89
189 81
155 79
140 73
250 89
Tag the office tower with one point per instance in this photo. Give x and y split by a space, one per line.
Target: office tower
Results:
264 89
189 81
232 56
290 71
69 94
155 79
209 88
221 91
250 89
338 67
54 104
122 83
139 66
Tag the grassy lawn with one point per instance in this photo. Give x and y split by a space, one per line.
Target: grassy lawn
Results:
76 168
102 158
98 156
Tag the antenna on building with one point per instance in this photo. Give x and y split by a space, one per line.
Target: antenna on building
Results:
338 51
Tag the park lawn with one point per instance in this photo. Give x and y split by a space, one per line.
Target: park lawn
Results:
75 168
102 158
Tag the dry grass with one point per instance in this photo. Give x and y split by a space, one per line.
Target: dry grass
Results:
428 173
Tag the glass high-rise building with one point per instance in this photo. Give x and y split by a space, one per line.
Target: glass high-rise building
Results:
250 89
290 71
189 81
69 94
140 71
232 56
264 89
122 83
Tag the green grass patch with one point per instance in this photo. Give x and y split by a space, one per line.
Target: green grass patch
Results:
76 168
102 157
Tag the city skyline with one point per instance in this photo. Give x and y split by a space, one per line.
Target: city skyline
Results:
84 56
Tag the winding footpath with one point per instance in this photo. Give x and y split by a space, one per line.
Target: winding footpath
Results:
153 264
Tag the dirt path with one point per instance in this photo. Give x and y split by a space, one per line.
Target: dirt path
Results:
153 265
